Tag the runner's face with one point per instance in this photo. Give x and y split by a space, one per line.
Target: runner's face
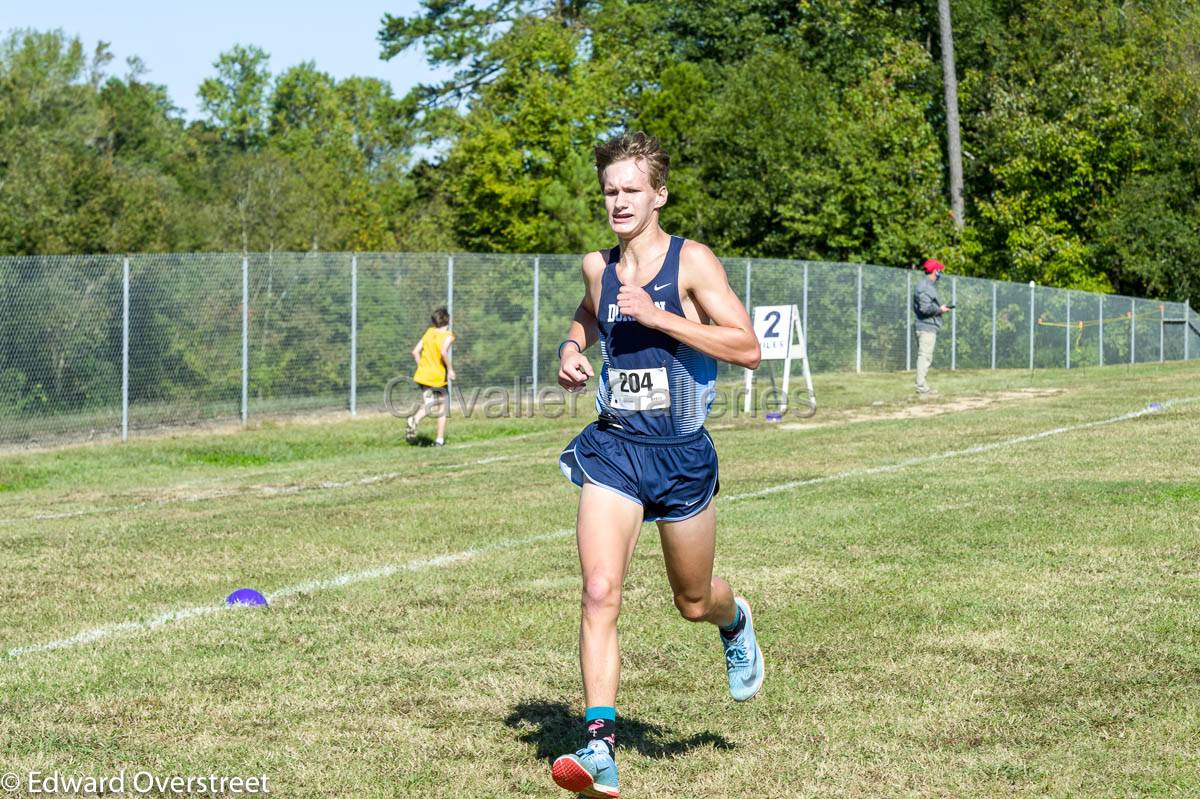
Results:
629 198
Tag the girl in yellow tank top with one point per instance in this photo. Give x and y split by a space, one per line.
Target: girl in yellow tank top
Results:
434 371
431 361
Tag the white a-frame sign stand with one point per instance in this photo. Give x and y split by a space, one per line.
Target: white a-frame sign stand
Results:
781 337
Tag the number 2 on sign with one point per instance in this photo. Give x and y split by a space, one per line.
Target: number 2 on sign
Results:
773 317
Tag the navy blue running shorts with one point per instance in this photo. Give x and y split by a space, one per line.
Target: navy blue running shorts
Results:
671 478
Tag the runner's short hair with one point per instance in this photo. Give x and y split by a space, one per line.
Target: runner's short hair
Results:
640 147
440 318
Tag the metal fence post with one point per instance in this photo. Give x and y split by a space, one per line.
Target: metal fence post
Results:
1187 328
1132 330
354 335
748 374
1031 335
245 337
908 333
536 293
1068 330
125 350
858 327
450 313
1101 348
804 309
954 324
993 324
1162 338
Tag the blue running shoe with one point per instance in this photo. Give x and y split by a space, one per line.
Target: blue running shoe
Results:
590 772
743 658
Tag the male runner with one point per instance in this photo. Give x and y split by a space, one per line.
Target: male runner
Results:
663 312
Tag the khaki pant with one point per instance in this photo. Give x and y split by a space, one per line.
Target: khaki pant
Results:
925 341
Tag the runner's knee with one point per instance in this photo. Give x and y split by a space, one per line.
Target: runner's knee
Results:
693 606
601 595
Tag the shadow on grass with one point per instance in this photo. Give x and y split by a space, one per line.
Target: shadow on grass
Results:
556 729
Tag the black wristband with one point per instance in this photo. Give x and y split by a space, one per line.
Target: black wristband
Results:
565 342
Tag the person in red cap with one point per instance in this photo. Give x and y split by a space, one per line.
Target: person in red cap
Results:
928 309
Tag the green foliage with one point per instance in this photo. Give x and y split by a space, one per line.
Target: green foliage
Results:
236 99
56 325
518 170
803 170
1149 234
97 163
815 129
53 178
807 129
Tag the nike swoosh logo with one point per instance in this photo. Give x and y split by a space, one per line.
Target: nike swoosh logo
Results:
660 288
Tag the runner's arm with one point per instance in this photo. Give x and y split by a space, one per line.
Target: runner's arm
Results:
447 343
584 328
574 369
731 336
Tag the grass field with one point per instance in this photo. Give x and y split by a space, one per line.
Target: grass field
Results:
1015 620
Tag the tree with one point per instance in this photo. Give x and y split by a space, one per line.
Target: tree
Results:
953 140
236 99
518 173
795 167
48 122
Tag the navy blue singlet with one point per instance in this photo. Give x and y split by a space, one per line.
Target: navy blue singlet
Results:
635 357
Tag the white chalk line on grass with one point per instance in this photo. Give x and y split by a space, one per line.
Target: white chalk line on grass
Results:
329 485
957 453
269 490
262 490
311 586
450 559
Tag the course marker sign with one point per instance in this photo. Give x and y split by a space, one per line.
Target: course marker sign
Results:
781 336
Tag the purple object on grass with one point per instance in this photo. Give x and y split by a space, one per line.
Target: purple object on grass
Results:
774 417
1154 406
246 596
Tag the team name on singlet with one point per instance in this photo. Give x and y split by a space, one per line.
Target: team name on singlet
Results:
615 315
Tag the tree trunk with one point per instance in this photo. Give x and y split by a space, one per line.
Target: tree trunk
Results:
953 141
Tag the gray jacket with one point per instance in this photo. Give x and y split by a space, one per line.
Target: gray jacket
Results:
927 308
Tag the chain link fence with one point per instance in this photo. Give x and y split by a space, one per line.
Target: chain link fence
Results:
102 346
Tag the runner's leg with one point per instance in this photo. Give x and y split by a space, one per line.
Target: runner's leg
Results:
607 530
689 547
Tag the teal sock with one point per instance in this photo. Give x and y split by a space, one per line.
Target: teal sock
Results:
737 625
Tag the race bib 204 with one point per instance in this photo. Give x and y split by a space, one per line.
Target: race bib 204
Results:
639 389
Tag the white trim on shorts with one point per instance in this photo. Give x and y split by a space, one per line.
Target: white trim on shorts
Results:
563 467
